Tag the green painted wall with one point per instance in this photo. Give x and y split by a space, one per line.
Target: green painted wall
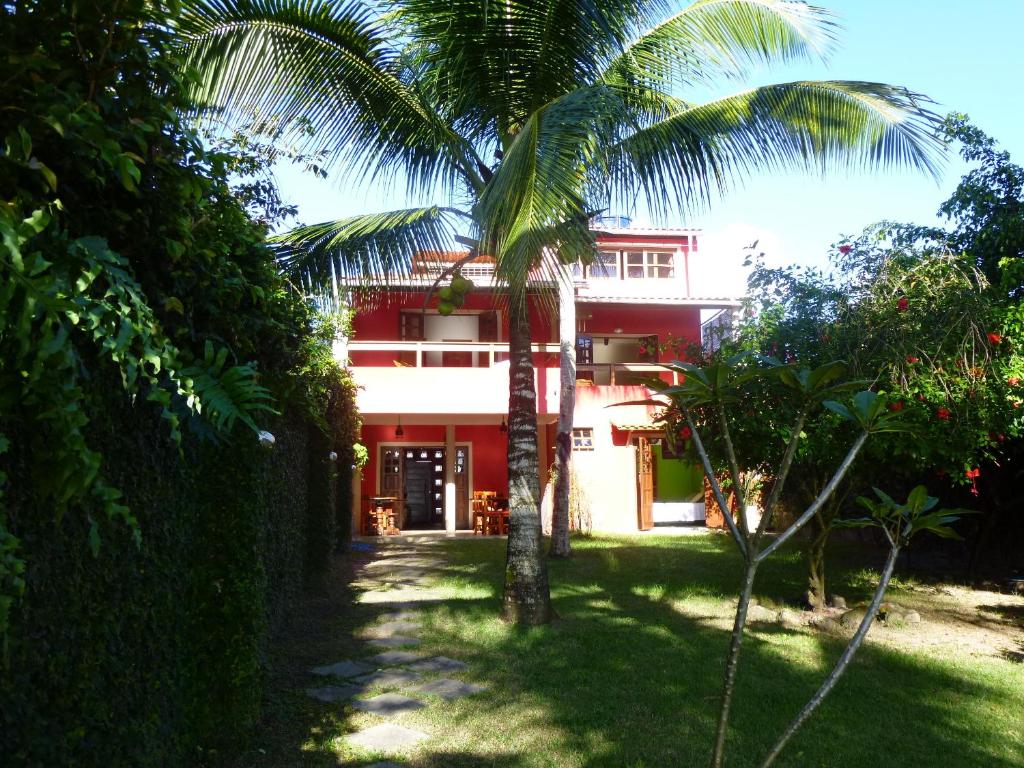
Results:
677 480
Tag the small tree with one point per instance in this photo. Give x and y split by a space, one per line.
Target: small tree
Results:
708 400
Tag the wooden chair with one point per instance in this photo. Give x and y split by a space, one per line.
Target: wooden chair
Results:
479 511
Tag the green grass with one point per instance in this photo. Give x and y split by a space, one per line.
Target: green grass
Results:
630 673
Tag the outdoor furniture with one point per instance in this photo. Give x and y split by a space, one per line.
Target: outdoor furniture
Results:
380 517
488 518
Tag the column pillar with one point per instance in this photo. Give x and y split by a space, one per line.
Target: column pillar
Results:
449 478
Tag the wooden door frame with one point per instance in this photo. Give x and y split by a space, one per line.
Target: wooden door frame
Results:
386 444
638 459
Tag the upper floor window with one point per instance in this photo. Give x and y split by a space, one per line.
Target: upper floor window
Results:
606 264
649 264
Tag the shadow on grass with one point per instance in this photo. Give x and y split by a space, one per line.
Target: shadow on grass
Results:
622 678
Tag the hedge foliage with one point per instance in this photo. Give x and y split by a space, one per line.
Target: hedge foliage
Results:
149 545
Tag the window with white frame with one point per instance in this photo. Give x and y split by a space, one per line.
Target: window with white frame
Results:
582 439
605 265
649 264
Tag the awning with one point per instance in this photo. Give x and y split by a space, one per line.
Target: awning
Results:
629 426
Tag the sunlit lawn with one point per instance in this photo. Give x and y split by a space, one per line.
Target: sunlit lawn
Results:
629 674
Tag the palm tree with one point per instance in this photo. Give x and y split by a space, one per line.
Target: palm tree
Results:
527 116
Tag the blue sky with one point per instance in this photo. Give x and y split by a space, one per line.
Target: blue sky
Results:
967 56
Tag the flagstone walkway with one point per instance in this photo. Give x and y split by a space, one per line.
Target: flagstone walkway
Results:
392 679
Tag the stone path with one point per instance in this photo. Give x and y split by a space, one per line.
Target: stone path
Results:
393 580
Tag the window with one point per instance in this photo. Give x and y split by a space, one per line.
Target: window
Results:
584 349
390 472
606 265
582 439
649 264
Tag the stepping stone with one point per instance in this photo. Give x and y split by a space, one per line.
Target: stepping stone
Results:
345 668
449 689
390 617
395 641
395 657
388 704
386 737
438 664
331 693
389 678
389 628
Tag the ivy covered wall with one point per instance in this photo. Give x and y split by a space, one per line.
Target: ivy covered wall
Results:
150 546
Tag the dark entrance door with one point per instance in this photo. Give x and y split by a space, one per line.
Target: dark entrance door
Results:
423 487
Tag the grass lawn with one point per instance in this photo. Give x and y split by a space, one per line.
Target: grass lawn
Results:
630 673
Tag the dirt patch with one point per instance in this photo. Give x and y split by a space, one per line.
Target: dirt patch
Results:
954 620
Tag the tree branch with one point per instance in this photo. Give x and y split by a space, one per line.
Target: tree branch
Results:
801 521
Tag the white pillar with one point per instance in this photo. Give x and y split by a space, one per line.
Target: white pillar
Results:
449 478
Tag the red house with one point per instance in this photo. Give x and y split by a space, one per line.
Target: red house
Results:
434 389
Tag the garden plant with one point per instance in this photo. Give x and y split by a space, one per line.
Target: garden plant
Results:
706 401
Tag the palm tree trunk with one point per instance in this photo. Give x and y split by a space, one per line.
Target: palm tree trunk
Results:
527 598
566 405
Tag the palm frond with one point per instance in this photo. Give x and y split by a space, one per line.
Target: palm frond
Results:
538 198
493 64
679 162
225 394
372 250
329 73
710 39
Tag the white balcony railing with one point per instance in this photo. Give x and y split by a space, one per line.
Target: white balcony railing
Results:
497 351
418 348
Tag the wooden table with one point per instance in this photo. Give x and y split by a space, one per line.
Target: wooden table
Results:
380 517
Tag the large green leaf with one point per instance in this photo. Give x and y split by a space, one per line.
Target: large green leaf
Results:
328 72
374 249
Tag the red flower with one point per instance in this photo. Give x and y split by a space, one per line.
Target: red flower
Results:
997 437
903 304
943 413
911 359
994 338
643 350
1013 381
972 475
896 406
845 249
685 433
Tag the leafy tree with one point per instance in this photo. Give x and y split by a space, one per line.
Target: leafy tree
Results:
122 251
915 312
529 116
710 405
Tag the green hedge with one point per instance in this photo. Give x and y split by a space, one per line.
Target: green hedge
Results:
152 655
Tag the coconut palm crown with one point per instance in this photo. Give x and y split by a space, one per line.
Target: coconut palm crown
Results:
525 117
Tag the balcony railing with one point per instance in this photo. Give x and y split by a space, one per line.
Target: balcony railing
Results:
490 352
495 351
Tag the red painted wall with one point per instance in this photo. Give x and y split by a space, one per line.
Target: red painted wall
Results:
374 434
683 322
488 454
380 323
